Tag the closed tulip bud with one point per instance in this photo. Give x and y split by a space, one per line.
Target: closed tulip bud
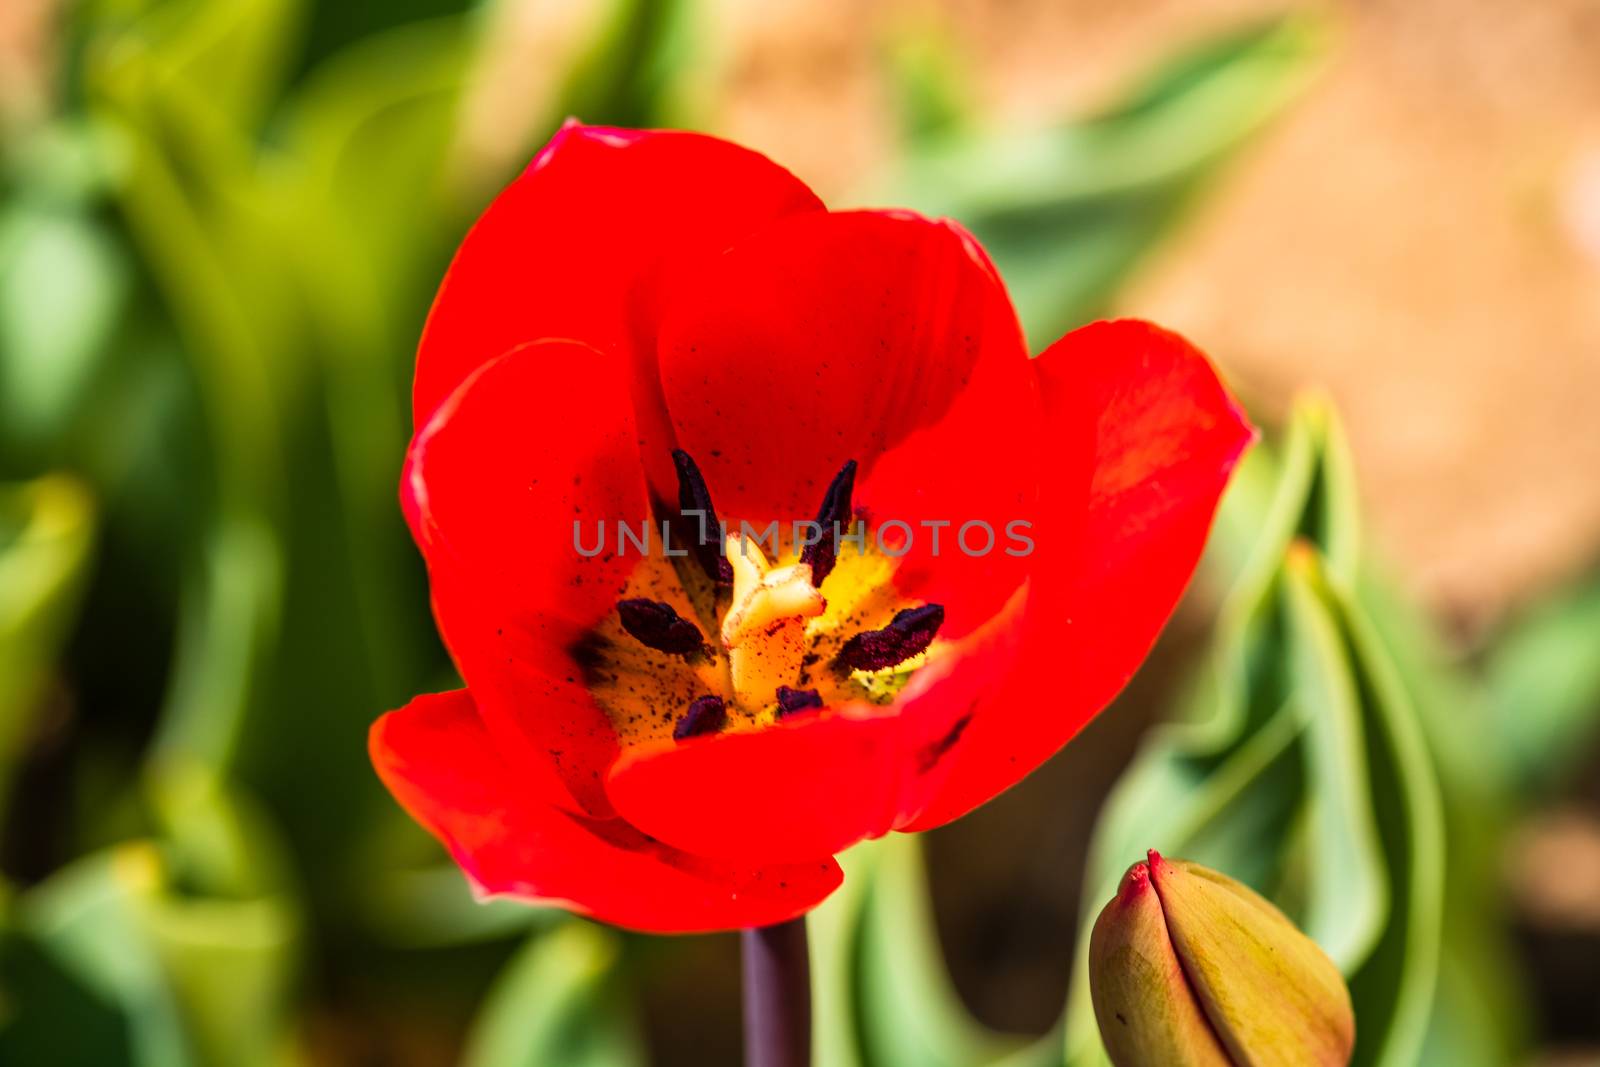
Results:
1188 968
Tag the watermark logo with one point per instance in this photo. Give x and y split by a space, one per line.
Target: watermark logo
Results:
894 538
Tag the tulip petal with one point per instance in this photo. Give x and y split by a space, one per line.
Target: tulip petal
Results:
534 442
817 782
438 761
882 337
1163 437
575 246
1168 436
509 479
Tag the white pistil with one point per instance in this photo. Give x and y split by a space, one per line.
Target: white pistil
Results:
765 628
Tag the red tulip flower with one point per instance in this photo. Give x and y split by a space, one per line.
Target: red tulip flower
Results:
651 326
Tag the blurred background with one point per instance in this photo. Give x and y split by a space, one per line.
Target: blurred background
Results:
222 221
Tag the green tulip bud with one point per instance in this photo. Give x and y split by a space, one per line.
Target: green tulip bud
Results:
1188 968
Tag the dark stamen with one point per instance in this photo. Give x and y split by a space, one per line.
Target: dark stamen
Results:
910 631
693 496
793 700
655 624
835 510
706 715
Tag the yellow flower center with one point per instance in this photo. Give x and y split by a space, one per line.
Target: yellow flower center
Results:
764 630
778 645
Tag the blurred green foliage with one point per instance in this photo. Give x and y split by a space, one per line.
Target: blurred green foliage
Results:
558 1002
1326 754
1303 763
216 252
1068 212
46 537
1544 679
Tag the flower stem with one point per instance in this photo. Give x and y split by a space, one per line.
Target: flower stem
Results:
777 995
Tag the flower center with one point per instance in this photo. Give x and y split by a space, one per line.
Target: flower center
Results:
780 647
764 630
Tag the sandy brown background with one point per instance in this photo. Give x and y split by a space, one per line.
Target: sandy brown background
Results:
1420 236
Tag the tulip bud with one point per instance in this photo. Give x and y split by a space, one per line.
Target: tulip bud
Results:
1188 968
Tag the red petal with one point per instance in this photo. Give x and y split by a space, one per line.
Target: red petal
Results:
575 246
881 337
1166 438
529 453
529 691
815 784
533 442
437 760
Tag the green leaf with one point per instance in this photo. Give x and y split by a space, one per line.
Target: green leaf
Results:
1301 765
557 1002
63 284
883 997
1544 688
46 539
1346 892
199 981
227 619
1394 986
183 86
362 188
236 49
931 85
361 182
230 964
435 907
834 929
226 929
631 72
1068 212
196 217
47 1018
1481 1015
86 919
195 939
